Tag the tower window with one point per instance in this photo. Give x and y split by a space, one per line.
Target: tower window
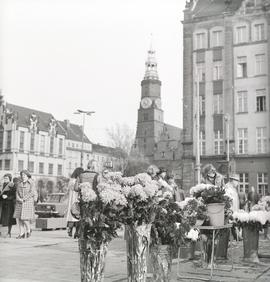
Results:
145 116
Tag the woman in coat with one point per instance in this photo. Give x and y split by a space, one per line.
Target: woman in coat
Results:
24 209
73 197
7 202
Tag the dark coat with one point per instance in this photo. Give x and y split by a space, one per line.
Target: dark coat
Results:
7 204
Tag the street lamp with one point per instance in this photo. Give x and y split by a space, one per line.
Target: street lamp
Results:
89 113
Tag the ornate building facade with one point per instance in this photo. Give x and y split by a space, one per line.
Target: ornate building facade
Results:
157 141
226 47
48 148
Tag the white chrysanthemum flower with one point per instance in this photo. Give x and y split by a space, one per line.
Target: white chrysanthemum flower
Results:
88 194
137 190
142 178
112 196
128 181
193 234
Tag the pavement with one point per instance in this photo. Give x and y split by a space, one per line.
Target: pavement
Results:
52 256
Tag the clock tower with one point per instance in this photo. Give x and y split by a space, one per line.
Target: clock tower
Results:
150 115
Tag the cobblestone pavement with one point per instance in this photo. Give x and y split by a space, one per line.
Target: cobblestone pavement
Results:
53 257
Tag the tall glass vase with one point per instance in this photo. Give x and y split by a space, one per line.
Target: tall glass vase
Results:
137 240
92 260
161 261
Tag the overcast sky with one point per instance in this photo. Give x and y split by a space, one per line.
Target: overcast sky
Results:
61 55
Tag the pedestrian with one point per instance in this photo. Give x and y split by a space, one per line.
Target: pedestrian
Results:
153 170
253 198
242 198
211 176
72 222
7 202
24 208
232 191
161 179
178 193
89 175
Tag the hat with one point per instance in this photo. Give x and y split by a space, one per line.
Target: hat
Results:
234 177
9 176
26 172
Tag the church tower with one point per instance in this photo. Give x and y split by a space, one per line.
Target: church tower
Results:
150 115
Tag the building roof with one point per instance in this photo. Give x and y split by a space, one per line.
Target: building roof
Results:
101 149
171 132
23 117
73 131
205 8
70 130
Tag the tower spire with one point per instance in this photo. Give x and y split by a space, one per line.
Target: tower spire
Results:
151 63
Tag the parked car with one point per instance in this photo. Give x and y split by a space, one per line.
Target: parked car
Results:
55 206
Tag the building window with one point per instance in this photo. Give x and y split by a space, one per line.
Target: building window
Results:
200 72
244 183
51 145
242 102
60 147
218 104
202 143
32 142
31 166
8 147
217 38
262 183
21 165
1 140
261 100
145 116
259 65
218 142
22 134
242 140
217 71
163 154
1 164
50 170
241 67
41 168
7 164
261 140
200 40
59 170
42 144
259 32
241 34
202 105
69 165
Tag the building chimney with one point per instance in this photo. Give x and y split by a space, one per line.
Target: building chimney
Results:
67 123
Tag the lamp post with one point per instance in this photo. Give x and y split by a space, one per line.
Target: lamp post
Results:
89 113
227 122
198 153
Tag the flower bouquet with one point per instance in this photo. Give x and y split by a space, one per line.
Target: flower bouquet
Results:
142 195
167 232
194 211
251 223
100 218
218 204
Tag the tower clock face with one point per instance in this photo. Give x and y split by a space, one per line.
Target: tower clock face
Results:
146 103
158 103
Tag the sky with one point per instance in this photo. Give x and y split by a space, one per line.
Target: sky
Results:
61 55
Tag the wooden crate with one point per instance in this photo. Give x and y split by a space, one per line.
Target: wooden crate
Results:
51 223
